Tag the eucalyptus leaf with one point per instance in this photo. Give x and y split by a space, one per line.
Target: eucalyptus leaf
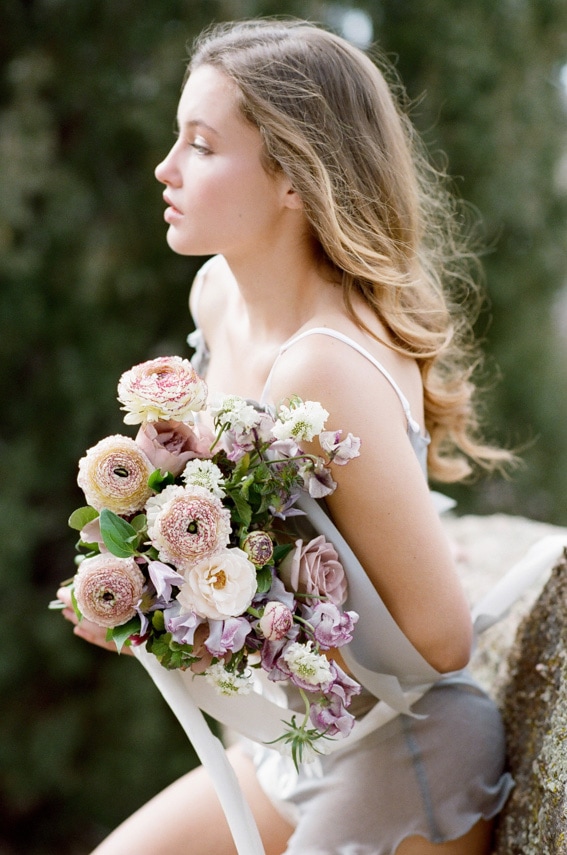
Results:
81 516
117 534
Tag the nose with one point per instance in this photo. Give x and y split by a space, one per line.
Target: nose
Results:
166 171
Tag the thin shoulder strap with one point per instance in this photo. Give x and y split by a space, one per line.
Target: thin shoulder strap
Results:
412 423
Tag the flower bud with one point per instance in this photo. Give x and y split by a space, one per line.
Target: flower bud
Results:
259 547
276 621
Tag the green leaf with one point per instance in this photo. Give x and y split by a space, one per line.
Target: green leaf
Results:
76 605
139 522
281 550
264 580
157 481
242 508
80 517
117 534
241 467
120 634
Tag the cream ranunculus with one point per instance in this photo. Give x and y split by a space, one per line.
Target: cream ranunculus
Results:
114 474
220 586
108 589
164 388
186 524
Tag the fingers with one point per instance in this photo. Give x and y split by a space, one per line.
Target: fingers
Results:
86 629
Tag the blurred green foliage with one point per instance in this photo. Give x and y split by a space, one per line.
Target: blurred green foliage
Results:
88 287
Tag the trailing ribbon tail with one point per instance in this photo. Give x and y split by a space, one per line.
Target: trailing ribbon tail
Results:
210 751
538 560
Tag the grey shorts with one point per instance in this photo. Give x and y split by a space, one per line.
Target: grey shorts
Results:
435 776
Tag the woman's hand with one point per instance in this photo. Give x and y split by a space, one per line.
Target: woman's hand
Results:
86 629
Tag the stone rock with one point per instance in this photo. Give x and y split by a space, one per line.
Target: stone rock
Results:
485 548
534 707
522 663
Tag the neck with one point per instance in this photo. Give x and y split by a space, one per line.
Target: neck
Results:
280 290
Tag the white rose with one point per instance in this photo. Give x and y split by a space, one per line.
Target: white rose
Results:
219 586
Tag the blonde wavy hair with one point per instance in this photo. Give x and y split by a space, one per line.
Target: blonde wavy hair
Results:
378 210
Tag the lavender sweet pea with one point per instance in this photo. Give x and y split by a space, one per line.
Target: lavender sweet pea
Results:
331 627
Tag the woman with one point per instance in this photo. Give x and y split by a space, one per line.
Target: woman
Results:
337 276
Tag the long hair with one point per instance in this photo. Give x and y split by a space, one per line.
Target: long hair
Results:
377 209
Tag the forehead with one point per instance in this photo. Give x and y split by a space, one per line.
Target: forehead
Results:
211 97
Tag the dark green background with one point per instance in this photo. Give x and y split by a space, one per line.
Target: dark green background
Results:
88 287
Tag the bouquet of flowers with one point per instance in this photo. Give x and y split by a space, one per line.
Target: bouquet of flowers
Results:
186 542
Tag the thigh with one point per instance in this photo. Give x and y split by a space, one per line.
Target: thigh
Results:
186 819
415 787
477 841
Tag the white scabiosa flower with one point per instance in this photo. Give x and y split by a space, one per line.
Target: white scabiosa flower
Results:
308 669
228 683
235 412
206 474
300 421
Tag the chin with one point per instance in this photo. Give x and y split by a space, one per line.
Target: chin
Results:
184 246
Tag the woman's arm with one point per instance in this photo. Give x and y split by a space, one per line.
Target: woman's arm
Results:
382 506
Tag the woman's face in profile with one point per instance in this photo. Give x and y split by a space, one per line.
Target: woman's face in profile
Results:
220 198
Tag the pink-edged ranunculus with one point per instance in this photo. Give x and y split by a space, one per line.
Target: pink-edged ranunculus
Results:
108 589
161 389
169 445
220 586
276 621
314 568
186 524
114 474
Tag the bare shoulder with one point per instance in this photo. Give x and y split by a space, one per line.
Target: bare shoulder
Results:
324 368
209 293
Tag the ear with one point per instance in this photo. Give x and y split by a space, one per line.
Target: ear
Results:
290 198
293 200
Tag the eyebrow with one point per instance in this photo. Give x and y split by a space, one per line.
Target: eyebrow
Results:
194 123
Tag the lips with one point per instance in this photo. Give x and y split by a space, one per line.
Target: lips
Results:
171 212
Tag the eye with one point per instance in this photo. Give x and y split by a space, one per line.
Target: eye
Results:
201 149
200 146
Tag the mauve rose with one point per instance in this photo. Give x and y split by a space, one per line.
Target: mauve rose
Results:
168 445
314 568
